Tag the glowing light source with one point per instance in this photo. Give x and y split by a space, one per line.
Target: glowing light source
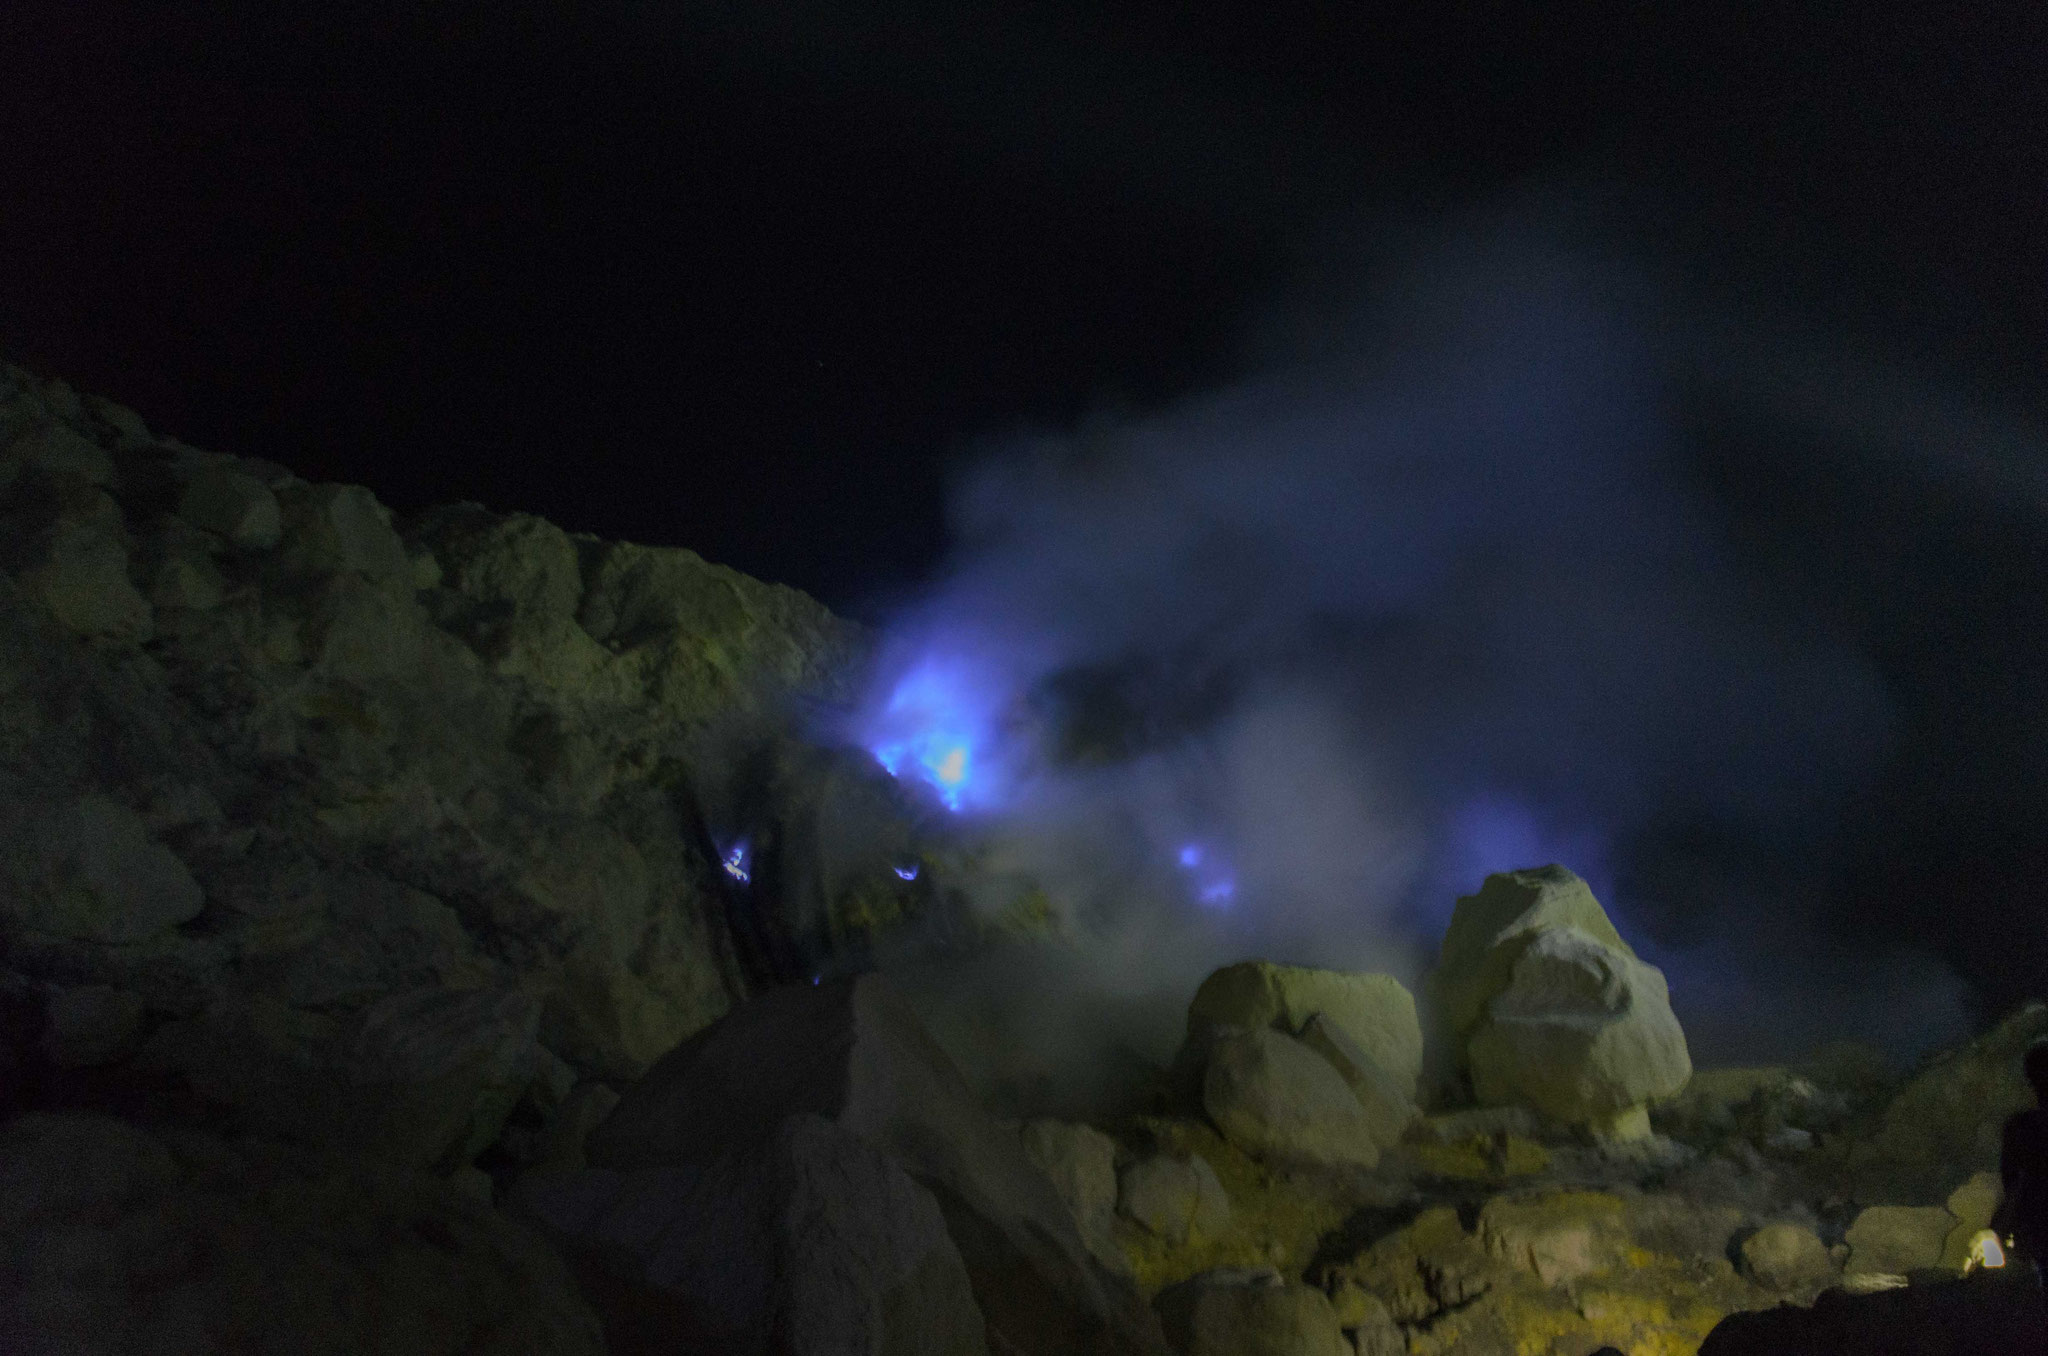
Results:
907 872
738 862
1985 1252
1213 885
933 729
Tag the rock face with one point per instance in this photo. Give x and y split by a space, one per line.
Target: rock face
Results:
1374 1012
1080 1162
1582 1033
852 1052
1237 1313
1546 1006
119 1239
1949 1114
1274 1097
1174 1198
809 1241
1488 931
1787 1257
1896 1239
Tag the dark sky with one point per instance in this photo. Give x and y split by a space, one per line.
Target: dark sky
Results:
744 277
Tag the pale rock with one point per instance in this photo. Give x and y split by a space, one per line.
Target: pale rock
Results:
1786 1257
1896 1239
233 505
1374 1011
1274 1097
1583 1033
187 579
90 871
1560 1236
1175 1198
69 555
1389 1108
1972 1206
91 1024
58 451
341 528
1488 931
128 431
1080 1162
1239 1314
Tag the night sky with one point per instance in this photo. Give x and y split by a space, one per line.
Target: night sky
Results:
751 278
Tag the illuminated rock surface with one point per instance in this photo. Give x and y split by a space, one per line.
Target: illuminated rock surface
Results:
1582 1033
362 876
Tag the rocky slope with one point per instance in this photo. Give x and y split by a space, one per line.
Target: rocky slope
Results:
439 935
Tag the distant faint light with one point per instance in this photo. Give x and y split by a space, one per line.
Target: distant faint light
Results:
1218 891
737 863
1191 855
907 872
815 979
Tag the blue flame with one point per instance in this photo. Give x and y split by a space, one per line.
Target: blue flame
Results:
935 728
907 872
1214 885
738 862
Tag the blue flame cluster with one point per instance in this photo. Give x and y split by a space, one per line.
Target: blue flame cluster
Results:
934 729
1211 879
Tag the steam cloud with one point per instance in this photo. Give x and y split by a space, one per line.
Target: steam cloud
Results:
1435 595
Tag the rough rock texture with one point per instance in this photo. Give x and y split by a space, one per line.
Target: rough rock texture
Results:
1175 1198
1783 1256
852 1051
1080 1162
1549 1270
1947 1117
1488 931
1388 1101
1896 1239
1274 1097
1238 1313
809 1241
1374 1011
117 1239
1581 1032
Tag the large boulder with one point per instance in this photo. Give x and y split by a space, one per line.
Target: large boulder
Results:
853 1052
1275 1098
1250 1313
1787 1257
1373 1011
1582 1032
1947 1118
1388 1101
1489 931
1080 1162
1894 1240
87 868
423 1077
810 1240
